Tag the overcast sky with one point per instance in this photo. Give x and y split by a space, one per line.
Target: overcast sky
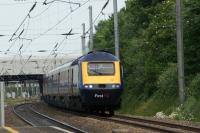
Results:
40 27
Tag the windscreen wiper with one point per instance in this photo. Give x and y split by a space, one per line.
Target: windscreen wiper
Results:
94 71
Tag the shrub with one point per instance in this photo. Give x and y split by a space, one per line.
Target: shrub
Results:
167 81
194 87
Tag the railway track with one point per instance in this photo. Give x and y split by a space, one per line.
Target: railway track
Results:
171 126
154 124
36 119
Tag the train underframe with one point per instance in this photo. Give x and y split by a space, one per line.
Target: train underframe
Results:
101 101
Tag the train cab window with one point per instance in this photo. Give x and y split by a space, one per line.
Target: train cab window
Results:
101 68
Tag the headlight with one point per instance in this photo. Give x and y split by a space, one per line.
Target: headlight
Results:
113 86
86 86
90 86
117 86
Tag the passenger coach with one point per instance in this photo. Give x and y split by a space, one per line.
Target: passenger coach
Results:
91 82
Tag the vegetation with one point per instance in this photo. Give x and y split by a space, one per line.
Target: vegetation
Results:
148 55
10 101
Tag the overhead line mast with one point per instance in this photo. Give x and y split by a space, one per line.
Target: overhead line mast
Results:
83 40
91 29
180 51
116 29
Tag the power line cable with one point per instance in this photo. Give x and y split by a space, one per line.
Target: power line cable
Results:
45 31
42 12
57 46
68 2
51 28
28 15
60 21
101 12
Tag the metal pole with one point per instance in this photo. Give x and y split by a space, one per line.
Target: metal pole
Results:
91 29
17 92
83 40
21 90
2 105
116 29
32 89
180 51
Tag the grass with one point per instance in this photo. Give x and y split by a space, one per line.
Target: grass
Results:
11 101
167 104
150 106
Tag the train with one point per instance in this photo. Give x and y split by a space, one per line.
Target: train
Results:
92 82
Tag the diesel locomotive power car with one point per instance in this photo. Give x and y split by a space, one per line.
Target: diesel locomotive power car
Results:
91 82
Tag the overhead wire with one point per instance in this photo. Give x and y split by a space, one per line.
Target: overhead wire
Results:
28 15
53 50
101 12
42 12
51 28
19 36
46 3
66 16
20 39
11 39
57 46
40 34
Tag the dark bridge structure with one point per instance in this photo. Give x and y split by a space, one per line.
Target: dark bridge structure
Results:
24 78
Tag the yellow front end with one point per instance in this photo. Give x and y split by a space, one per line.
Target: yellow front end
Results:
101 79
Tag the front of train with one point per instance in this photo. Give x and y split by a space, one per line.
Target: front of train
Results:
101 85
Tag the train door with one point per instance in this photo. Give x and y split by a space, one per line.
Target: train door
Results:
68 82
75 81
58 83
72 78
52 90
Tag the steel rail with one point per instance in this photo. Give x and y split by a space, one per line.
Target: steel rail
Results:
155 125
42 116
171 127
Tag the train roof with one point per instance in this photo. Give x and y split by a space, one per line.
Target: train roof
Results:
59 68
96 56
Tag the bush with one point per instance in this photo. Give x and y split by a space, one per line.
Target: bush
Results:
167 81
181 114
194 87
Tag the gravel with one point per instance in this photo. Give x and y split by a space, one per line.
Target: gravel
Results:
181 122
12 120
87 123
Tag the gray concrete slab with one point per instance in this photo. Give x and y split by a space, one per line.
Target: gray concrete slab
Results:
3 130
